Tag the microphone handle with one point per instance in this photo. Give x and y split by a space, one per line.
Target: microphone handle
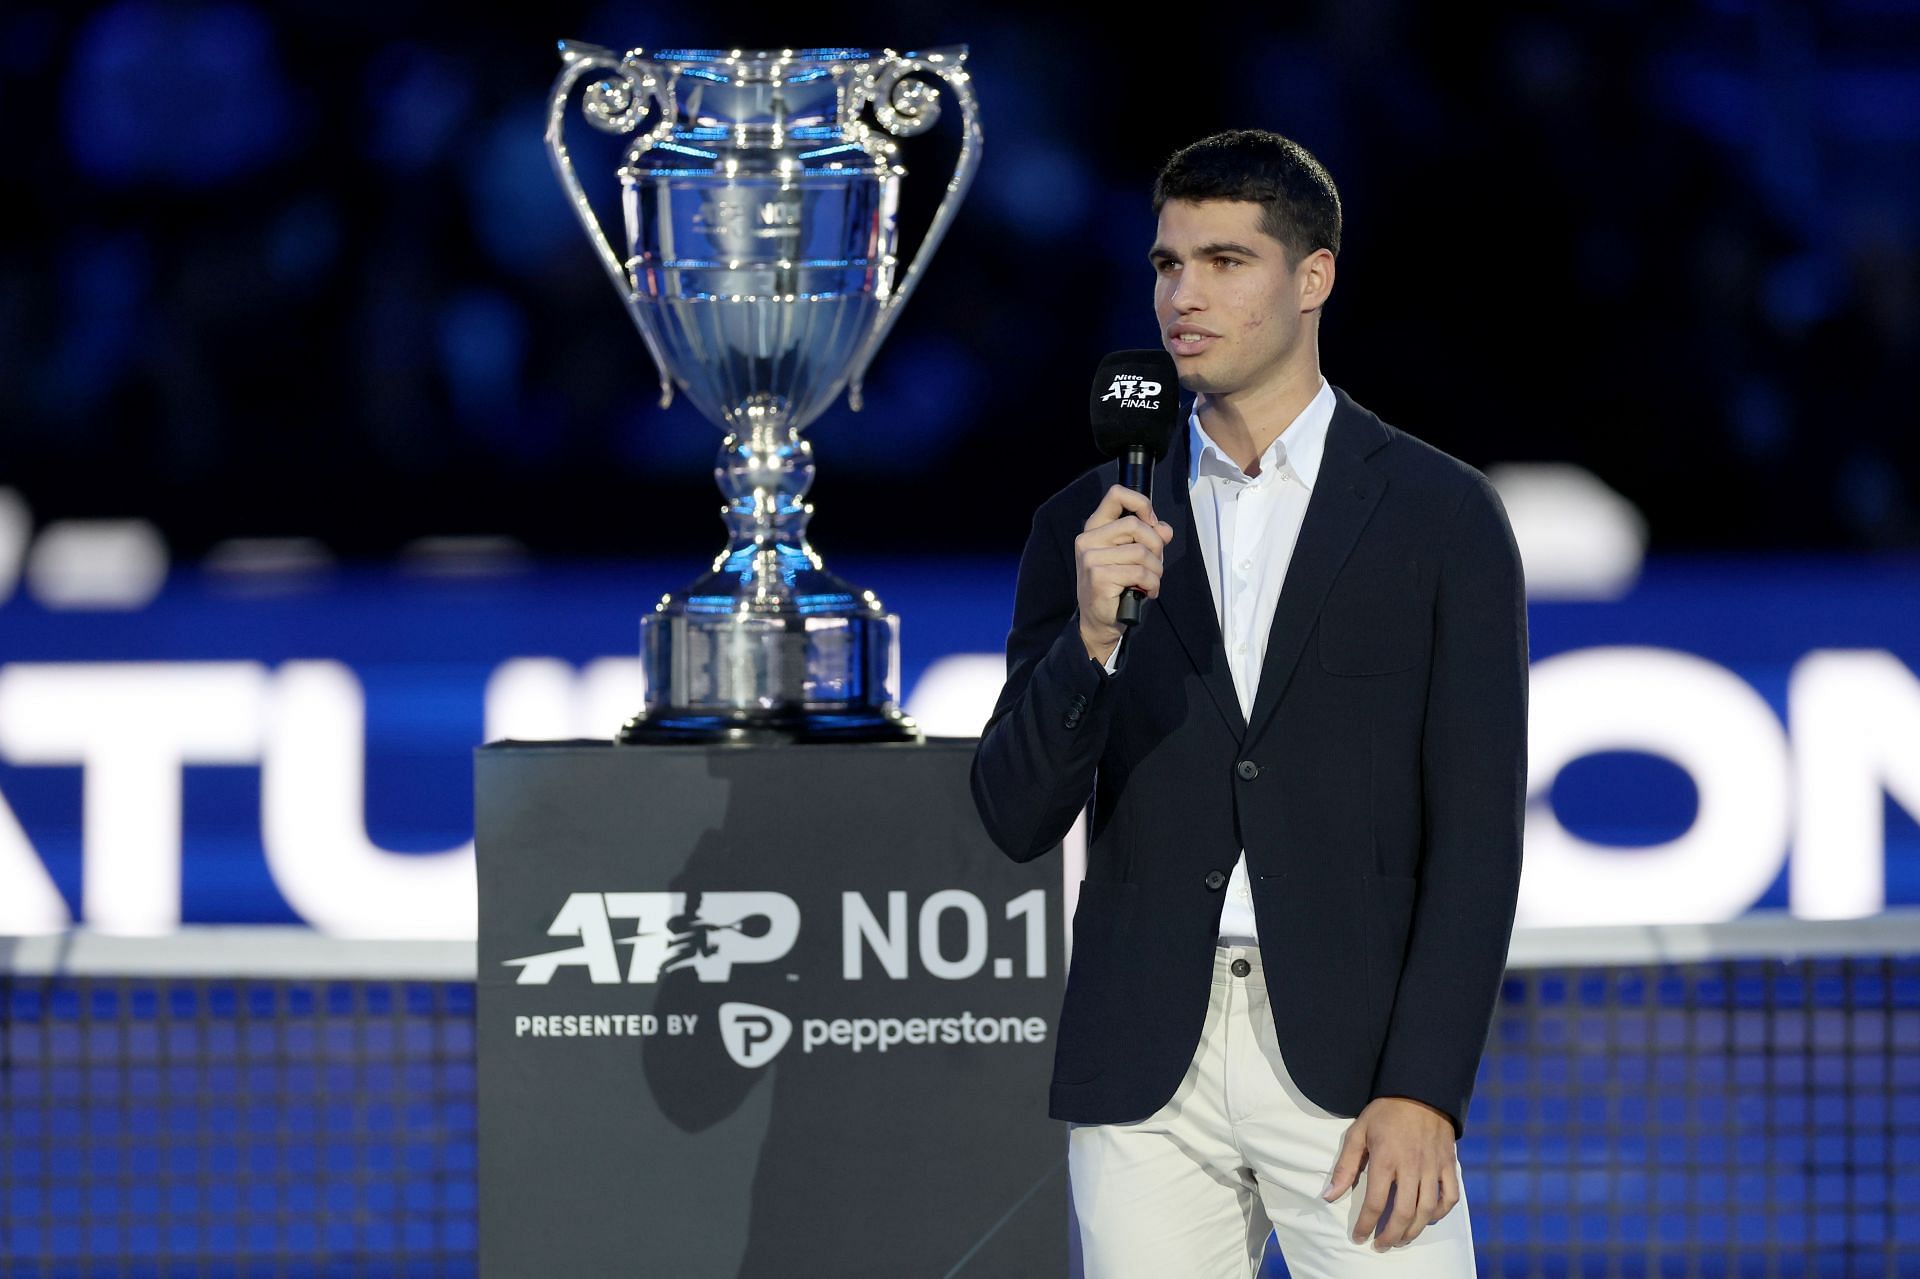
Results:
1136 473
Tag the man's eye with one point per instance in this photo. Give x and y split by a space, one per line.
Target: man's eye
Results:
1227 262
1164 266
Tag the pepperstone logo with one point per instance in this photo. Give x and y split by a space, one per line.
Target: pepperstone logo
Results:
753 1035
706 932
1133 392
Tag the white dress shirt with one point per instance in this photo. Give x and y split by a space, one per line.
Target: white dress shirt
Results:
1247 526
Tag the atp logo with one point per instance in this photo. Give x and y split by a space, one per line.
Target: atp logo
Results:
706 932
1133 392
753 1035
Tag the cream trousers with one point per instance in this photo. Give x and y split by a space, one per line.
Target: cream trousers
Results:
1192 1191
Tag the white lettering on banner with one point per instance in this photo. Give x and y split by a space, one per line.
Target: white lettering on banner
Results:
602 1025
1856 738
954 696
29 901
1031 906
1855 718
313 804
883 1033
531 699
131 727
610 690
584 916
1683 708
859 925
313 822
722 930
861 930
974 957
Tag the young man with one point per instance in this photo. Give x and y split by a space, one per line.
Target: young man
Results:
1307 767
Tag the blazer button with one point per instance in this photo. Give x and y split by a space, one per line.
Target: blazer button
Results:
1079 703
1240 967
1247 769
1216 880
1070 720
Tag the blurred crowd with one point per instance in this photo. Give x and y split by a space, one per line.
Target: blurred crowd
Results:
303 270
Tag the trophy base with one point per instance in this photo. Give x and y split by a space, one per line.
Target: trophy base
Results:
765 728
822 671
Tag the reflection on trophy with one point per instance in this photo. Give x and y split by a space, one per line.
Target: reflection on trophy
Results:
759 197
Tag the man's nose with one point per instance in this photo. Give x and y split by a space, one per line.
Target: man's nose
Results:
1187 295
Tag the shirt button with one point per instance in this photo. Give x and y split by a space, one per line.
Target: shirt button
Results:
1247 769
1239 648
1215 880
1245 565
1241 968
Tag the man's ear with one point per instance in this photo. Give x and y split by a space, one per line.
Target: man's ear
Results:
1314 277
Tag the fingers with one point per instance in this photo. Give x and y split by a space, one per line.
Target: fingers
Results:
1124 507
1401 1219
1128 528
1112 569
1346 1170
1449 1196
1418 1201
1138 553
1423 1210
1117 501
1415 1178
1121 546
1374 1207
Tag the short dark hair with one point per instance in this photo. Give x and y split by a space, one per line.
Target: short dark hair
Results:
1300 206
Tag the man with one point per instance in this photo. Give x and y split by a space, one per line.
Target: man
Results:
1307 769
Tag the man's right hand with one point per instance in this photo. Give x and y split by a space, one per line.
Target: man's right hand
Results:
1120 546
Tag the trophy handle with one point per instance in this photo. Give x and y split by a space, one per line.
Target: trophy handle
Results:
904 108
614 105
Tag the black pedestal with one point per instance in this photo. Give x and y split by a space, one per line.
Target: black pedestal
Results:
761 1010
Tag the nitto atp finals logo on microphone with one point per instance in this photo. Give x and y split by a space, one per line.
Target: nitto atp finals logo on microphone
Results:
1133 392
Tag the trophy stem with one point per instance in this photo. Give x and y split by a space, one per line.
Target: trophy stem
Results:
769 645
764 471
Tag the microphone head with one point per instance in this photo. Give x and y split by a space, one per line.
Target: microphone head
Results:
1135 402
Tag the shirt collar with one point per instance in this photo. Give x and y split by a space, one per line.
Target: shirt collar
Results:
1301 445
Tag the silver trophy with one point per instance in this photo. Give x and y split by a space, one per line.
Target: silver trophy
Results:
759 195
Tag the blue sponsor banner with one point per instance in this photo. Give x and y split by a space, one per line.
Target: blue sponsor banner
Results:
1723 721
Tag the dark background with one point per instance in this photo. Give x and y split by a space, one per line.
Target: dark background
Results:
303 270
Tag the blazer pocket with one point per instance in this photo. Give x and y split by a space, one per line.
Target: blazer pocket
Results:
1372 626
1101 921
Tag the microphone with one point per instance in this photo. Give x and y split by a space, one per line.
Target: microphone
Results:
1135 408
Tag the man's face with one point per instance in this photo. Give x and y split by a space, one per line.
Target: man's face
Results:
1230 308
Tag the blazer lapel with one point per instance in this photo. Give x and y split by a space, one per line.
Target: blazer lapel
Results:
1185 597
1345 494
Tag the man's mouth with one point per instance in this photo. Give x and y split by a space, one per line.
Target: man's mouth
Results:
1189 341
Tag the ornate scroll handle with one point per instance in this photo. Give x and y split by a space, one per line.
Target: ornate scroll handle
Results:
613 105
904 108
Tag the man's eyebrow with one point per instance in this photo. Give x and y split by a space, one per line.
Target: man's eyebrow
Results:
1225 246
1161 253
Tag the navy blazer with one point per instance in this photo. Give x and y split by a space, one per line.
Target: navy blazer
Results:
1378 787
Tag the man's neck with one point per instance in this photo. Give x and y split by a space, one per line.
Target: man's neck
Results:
1244 423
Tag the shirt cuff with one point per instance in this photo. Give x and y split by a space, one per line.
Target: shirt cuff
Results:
1113 658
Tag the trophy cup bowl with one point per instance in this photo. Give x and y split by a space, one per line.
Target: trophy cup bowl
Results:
759 196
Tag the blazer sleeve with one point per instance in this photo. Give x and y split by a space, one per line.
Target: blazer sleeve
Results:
1034 767
1474 775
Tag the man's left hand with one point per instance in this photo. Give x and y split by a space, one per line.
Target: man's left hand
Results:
1406 1144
